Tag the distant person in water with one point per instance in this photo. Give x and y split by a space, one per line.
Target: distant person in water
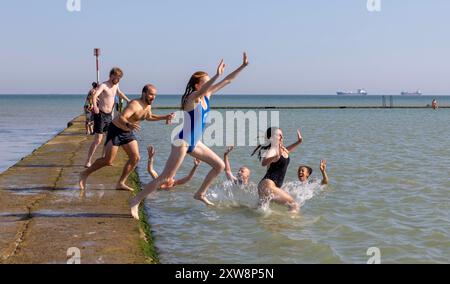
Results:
195 104
304 172
434 104
243 175
169 183
103 104
88 108
120 134
276 159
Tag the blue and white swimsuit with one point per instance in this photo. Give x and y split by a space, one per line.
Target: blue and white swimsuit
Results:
194 124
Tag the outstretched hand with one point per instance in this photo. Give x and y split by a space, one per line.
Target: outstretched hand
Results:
170 117
299 136
229 149
220 68
245 60
323 165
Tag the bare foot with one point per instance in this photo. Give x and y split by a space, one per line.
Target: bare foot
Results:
82 181
122 186
134 209
203 199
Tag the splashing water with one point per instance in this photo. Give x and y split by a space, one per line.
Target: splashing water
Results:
228 194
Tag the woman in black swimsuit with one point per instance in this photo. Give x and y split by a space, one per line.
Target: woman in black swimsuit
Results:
276 158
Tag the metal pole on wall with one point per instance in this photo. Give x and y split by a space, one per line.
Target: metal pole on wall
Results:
97 54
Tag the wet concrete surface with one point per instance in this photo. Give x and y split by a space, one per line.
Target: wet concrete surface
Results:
42 215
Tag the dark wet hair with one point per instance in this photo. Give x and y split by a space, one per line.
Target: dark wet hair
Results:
310 170
190 87
269 132
94 85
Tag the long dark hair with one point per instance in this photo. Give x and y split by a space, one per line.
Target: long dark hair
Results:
190 87
269 132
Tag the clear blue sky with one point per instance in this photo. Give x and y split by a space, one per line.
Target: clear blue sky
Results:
295 46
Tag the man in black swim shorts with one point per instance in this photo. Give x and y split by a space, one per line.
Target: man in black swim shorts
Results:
120 134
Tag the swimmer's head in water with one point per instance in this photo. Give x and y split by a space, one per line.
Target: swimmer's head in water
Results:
115 75
304 172
195 83
149 93
243 173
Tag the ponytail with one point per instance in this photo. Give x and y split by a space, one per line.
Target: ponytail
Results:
260 147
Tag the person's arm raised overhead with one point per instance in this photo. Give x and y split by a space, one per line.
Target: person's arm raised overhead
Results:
323 169
296 143
228 172
230 77
205 89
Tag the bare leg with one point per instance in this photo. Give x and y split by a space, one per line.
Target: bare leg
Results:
203 153
97 141
174 161
132 150
268 188
111 152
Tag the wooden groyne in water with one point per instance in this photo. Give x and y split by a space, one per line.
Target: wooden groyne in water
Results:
44 220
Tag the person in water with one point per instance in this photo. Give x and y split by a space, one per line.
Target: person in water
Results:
121 134
304 172
243 175
103 105
196 105
276 159
434 104
170 182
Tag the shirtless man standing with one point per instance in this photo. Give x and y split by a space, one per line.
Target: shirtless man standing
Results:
120 133
103 101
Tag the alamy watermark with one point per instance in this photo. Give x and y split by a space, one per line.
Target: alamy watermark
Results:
73 255
373 5
375 255
234 128
73 5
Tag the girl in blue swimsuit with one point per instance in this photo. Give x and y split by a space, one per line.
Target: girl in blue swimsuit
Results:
195 104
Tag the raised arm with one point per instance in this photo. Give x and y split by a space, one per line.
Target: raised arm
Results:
205 89
151 154
228 79
292 147
95 97
323 169
228 172
122 95
190 175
